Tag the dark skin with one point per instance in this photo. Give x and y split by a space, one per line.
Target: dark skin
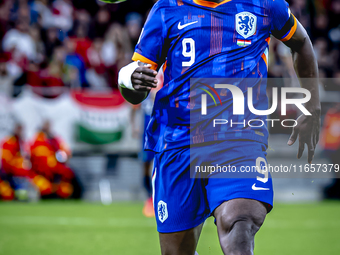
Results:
306 68
238 220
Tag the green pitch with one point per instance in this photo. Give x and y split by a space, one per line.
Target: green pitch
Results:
77 228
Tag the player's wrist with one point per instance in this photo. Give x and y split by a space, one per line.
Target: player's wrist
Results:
124 76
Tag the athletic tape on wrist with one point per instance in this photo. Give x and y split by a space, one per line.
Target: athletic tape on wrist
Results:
124 76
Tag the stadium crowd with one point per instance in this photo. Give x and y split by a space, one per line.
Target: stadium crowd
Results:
83 44
59 43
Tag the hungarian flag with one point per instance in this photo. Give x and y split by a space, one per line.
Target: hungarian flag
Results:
103 116
243 43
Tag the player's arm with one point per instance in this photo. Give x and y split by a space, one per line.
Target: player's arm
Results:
306 68
285 27
138 78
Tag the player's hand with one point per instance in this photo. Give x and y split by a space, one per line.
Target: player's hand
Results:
144 78
308 131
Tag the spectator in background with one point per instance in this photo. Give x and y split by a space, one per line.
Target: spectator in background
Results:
19 43
325 60
117 52
120 37
101 23
51 41
96 73
49 157
80 37
53 75
58 15
15 164
321 28
33 75
13 160
40 10
38 44
74 63
62 14
134 26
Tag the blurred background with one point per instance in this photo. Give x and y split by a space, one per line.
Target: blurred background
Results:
70 143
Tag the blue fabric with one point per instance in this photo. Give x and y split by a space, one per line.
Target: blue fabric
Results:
184 198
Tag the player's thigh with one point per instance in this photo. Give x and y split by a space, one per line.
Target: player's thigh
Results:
180 243
250 213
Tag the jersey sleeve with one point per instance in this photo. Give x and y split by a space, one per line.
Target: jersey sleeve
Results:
283 25
150 44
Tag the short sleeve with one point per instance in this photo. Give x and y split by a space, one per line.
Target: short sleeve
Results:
283 21
150 44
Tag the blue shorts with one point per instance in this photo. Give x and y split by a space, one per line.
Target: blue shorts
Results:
184 196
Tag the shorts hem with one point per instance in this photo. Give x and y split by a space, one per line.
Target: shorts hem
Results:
245 197
197 223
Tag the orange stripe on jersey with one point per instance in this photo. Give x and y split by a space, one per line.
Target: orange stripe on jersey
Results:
292 31
136 56
164 66
210 4
264 57
268 40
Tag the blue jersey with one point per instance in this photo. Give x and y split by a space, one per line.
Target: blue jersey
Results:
202 39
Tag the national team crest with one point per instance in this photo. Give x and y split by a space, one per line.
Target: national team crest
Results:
245 24
162 211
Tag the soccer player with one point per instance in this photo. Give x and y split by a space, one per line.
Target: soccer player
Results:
214 39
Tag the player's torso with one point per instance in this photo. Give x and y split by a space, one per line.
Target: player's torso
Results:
220 41
228 41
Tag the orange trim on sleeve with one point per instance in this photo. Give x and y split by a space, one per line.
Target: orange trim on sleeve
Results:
136 56
268 40
209 3
264 57
292 31
165 66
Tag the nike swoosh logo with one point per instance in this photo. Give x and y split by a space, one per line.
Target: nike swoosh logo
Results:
258 188
180 27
